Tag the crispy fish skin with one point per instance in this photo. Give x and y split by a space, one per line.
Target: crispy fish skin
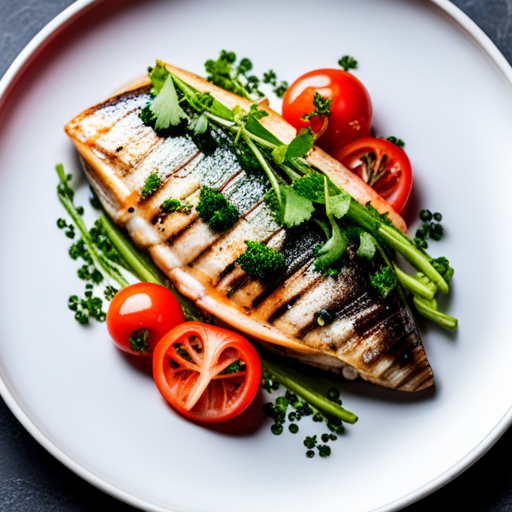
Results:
375 336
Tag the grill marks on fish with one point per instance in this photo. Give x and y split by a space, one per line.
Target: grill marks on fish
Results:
377 336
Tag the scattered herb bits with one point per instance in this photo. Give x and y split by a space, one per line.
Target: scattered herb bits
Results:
151 185
347 63
431 228
279 412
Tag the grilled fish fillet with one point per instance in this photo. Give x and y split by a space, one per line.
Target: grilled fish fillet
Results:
373 336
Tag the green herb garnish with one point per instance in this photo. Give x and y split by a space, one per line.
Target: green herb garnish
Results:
216 210
347 63
260 261
175 205
151 185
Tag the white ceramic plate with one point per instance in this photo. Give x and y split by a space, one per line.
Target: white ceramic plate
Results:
436 81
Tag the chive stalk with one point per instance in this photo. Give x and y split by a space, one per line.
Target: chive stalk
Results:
292 381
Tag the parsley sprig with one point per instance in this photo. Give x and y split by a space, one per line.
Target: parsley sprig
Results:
234 76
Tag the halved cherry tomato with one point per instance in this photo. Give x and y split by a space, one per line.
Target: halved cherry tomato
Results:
351 108
381 164
140 314
206 373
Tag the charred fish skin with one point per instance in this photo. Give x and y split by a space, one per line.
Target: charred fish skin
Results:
376 336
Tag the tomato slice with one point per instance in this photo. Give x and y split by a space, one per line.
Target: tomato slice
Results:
140 314
381 164
206 373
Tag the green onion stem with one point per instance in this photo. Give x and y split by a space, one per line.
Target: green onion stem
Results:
411 254
140 268
266 167
425 308
292 382
413 285
100 262
137 265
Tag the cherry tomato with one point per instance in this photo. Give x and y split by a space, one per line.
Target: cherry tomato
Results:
206 373
140 314
351 108
381 164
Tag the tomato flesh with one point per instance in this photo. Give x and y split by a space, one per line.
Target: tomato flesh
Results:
140 314
206 373
382 165
351 107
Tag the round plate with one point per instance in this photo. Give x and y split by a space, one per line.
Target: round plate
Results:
436 81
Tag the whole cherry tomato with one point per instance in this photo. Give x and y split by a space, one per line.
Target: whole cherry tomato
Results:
206 373
351 108
140 314
381 164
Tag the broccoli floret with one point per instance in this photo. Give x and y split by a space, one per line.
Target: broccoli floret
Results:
216 210
384 280
442 265
312 186
260 261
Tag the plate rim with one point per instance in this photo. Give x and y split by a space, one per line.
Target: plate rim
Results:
15 71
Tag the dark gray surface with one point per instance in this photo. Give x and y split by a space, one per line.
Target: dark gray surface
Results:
31 480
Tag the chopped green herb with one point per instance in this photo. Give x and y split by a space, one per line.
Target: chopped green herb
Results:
260 261
347 63
324 450
175 205
151 185
279 89
227 74
110 292
310 442
430 229
293 428
90 307
397 142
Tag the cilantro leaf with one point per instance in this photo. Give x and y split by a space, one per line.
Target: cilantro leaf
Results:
279 154
166 108
158 76
332 250
340 204
296 208
366 247
300 145
199 124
